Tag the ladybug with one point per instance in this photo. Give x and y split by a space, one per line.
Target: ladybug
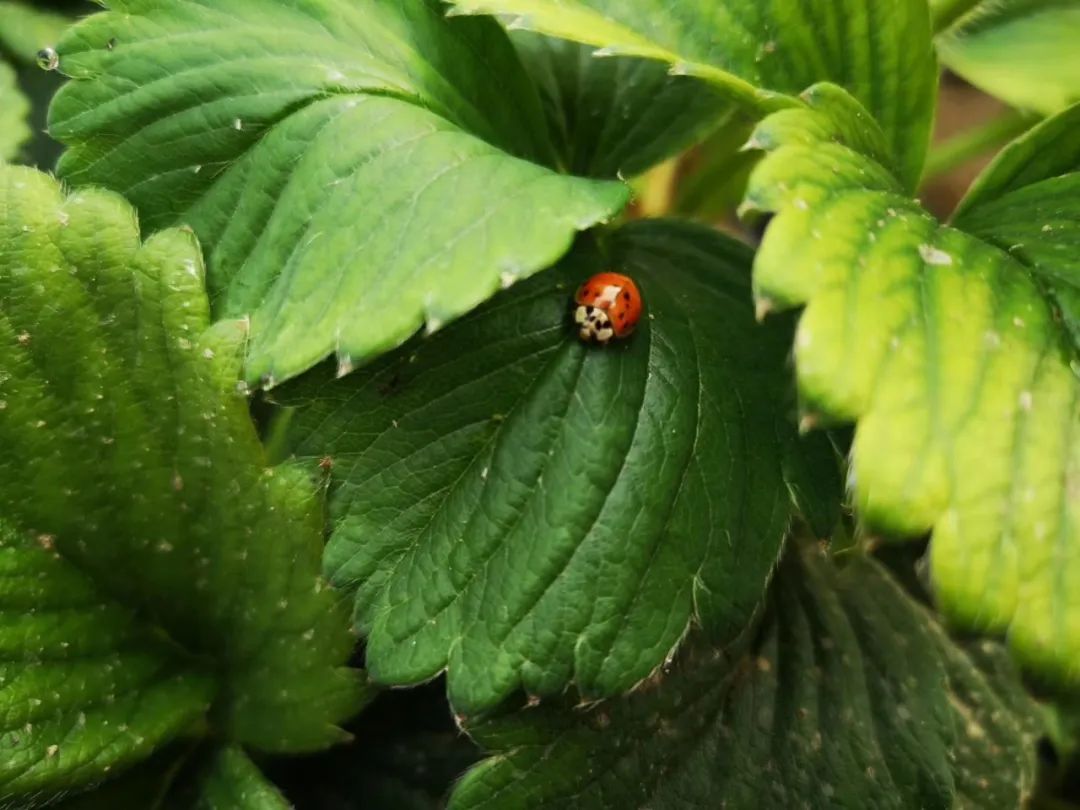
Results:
608 306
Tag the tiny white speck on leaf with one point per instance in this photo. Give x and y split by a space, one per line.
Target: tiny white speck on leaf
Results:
237 124
931 255
1026 400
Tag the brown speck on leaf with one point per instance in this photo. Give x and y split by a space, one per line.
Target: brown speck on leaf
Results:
47 541
24 339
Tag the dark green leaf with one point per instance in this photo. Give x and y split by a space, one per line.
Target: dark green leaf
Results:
228 780
354 169
524 510
1028 203
613 117
946 352
851 696
129 452
880 50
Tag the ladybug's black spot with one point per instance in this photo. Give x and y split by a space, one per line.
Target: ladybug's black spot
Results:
626 296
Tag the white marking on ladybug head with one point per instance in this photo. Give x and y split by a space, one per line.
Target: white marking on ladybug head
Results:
608 296
595 324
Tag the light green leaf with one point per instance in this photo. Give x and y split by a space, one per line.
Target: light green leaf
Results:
1022 51
751 50
613 117
523 510
945 351
24 30
14 109
354 169
1028 203
850 696
129 451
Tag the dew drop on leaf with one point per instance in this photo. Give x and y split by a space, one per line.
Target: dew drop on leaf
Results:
48 59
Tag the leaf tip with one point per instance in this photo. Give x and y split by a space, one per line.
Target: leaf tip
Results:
763 307
345 365
808 422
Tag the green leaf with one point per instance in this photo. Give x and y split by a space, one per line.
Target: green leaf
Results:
945 351
1022 51
613 117
850 696
523 510
88 685
14 109
25 30
229 779
129 451
880 50
712 178
1028 203
355 170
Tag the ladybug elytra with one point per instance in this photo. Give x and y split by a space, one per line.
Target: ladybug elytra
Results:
608 306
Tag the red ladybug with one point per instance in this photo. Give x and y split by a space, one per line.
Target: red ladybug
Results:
608 306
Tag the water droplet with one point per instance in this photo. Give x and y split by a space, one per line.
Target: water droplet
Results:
48 59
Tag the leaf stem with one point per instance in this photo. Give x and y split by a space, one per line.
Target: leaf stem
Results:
944 13
959 149
277 434
657 192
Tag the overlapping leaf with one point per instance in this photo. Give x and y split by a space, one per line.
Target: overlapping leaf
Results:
523 510
87 685
130 456
14 108
1023 51
751 50
945 351
1028 203
851 697
614 117
354 170
229 779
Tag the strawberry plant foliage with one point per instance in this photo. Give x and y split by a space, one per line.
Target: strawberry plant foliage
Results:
1023 51
969 424
758 53
156 575
604 550
569 511
849 696
354 170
